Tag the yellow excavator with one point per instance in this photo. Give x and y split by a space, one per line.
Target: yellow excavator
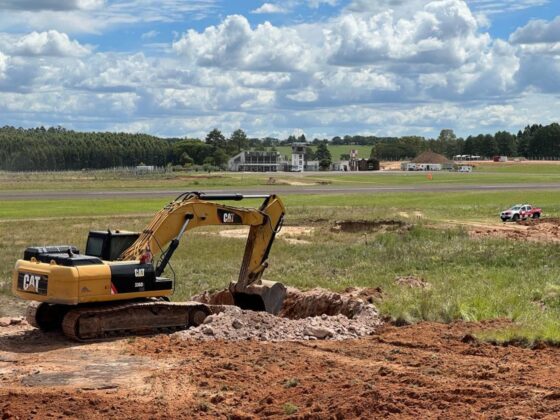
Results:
117 286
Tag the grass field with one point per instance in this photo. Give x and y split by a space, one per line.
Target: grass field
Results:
435 206
527 167
469 279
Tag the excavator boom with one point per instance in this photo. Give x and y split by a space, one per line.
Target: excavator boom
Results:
193 210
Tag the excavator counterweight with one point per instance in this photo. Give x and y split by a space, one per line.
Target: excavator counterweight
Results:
118 286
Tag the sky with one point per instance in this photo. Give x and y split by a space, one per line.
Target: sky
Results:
178 68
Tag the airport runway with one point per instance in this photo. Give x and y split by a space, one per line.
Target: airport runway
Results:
128 194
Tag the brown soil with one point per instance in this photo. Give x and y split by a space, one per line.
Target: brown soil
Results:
283 181
421 371
370 226
544 230
291 234
412 282
311 315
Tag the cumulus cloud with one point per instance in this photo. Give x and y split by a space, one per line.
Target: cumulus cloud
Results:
269 8
442 33
537 31
50 43
234 44
3 64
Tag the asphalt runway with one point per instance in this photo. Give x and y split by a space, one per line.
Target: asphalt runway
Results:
128 194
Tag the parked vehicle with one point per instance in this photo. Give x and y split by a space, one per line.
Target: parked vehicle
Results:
521 212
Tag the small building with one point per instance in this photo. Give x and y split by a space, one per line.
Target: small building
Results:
145 168
364 165
311 166
255 161
342 166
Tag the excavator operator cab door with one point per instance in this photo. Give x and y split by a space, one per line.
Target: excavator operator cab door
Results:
109 245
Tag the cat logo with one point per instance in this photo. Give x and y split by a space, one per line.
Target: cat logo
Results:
31 281
138 272
228 218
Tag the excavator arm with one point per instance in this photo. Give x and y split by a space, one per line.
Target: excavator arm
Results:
193 210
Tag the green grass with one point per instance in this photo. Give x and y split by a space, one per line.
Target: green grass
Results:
519 168
290 408
437 206
470 279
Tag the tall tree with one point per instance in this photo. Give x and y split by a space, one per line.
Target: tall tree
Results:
323 155
507 143
238 141
216 139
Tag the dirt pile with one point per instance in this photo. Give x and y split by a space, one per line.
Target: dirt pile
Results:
543 230
6 322
292 234
370 226
312 315
353 303
413 282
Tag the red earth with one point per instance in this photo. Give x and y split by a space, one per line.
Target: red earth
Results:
427 370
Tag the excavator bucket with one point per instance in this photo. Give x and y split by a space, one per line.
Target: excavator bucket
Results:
268 296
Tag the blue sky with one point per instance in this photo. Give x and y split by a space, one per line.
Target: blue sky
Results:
324 67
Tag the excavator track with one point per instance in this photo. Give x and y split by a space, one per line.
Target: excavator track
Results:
87 323
45 316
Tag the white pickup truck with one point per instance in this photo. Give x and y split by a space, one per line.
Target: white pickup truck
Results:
520 212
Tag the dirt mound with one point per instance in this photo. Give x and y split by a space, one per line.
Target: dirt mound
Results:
543 230
413 282
317 302
291 234
6 322
368 226
283 181
430 157
237 324
316 314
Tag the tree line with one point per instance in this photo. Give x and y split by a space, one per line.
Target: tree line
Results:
55 148
533 142
40 149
